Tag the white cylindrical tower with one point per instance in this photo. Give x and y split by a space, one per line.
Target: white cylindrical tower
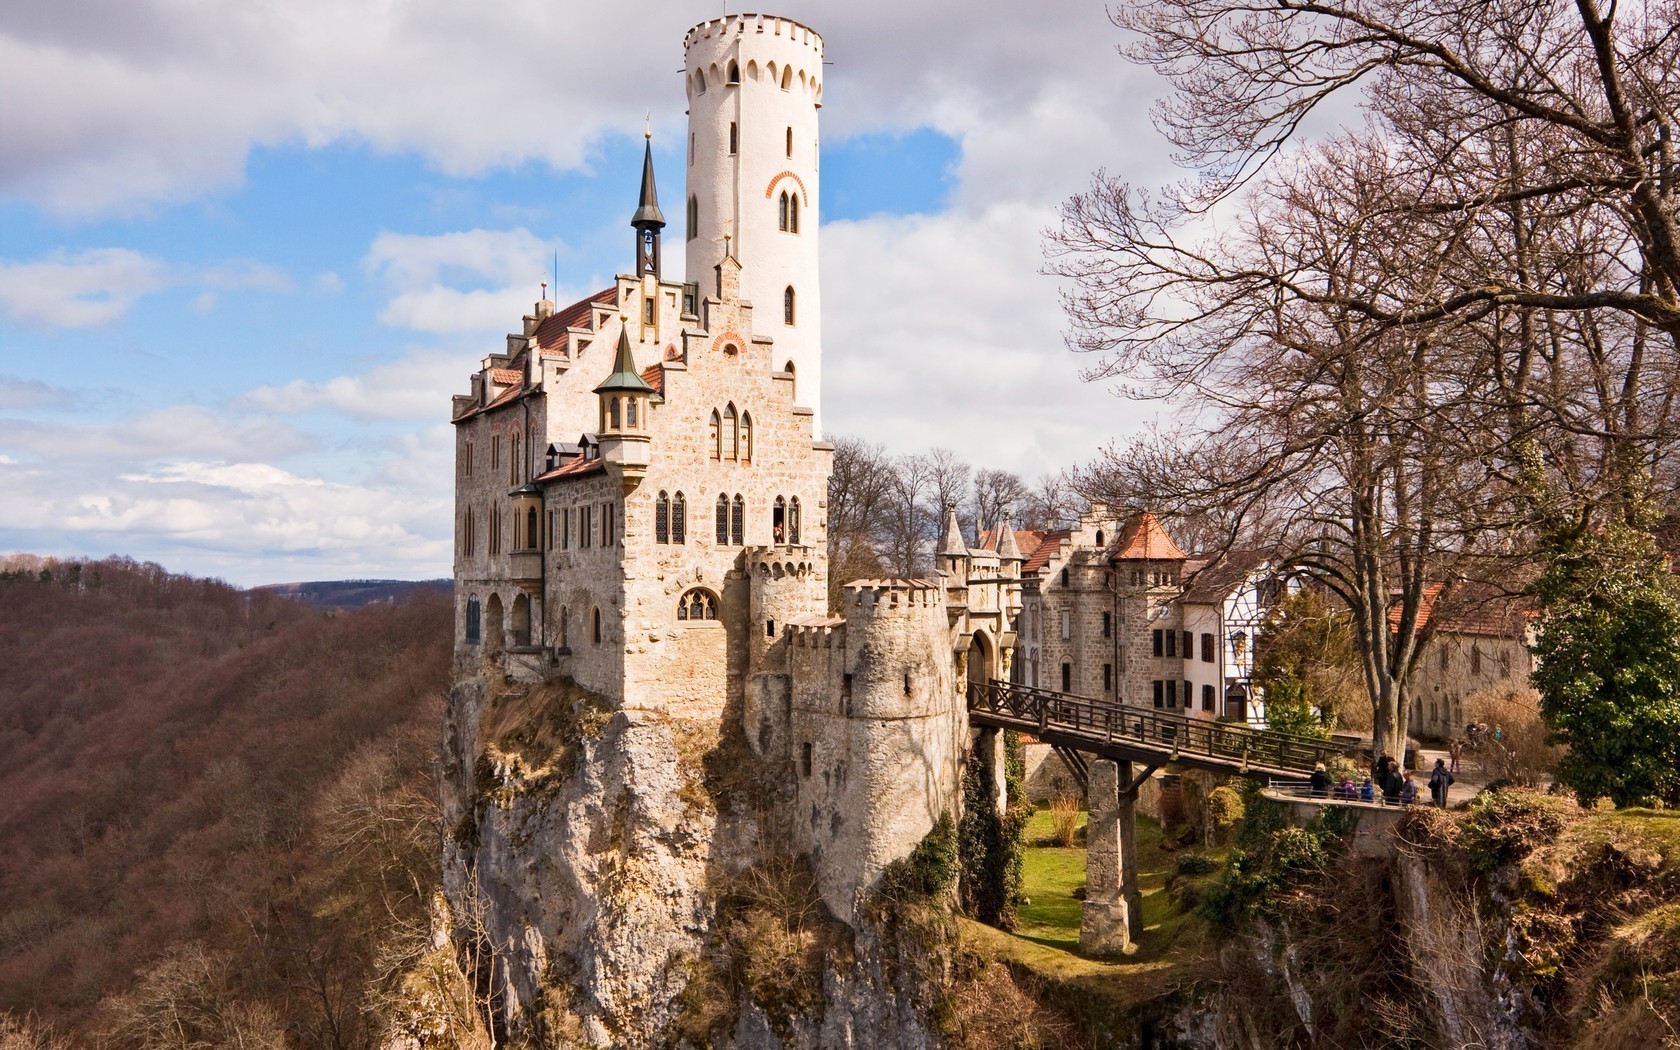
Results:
755 84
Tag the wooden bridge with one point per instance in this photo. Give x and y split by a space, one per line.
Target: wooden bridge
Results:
1078 724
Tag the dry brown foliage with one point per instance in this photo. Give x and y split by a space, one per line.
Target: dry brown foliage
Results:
210 797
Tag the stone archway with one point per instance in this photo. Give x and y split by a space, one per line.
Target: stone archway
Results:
494 625
982 658
520 629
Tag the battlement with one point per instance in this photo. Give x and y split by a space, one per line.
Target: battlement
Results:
891 593
818 632
780 561
722 30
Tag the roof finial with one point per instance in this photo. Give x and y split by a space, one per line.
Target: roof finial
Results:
647 125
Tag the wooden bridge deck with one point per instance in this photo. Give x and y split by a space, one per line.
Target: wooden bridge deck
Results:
1134 734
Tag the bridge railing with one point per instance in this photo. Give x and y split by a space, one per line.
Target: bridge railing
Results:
1224 742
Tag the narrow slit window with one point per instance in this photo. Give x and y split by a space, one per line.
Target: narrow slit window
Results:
734 138
787 305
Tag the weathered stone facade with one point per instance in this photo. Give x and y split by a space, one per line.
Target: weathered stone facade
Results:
1114 610
653 697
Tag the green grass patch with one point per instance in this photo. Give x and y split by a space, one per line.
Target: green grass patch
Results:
1051 875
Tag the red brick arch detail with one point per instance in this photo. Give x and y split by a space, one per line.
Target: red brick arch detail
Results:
730 336
770 190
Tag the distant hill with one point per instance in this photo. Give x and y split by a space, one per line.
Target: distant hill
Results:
217 814
353 594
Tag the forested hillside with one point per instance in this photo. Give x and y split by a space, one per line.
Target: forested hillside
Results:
217 820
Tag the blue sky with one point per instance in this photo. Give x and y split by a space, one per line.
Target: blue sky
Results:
247 251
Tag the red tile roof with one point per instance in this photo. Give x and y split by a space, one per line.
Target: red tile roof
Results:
511 394
551 333
654 376
1025 539
1144 539
1211 581
1485 613
1041 550
507 376
577 468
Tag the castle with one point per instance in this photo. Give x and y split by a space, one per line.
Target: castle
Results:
641 495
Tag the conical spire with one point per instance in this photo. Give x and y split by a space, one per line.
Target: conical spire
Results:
647 210
951 540
624 375
1007 547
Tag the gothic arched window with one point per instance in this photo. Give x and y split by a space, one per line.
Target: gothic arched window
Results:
532 537
734 73
745 440
662 518
731 432
793 213
723 521
778 520
787 305
473 620
679 519
782 212
697 604
693 217
793 521
737 520
716 436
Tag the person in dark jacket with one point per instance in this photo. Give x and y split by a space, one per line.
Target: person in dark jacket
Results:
1408 789
1389 779
1440 779
1320 781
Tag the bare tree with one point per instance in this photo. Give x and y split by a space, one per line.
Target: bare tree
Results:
859 493
994 492
1380 327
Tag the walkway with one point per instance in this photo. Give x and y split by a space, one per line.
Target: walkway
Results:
1133 734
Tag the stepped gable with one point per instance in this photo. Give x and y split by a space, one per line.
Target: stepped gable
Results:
1042 550
1145 539
551 333
506 397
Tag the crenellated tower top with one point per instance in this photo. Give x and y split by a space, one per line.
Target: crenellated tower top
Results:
754 84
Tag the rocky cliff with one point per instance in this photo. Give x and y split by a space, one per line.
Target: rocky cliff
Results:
1524 922
623 878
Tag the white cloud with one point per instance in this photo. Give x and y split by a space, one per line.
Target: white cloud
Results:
203 492
79 289
16 393
423 271
416 387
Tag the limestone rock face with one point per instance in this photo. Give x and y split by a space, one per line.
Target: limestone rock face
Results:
596 869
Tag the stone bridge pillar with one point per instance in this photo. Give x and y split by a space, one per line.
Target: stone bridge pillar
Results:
1113 903
990 752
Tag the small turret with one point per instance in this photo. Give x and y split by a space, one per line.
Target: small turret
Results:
648 220
1008 550
624 407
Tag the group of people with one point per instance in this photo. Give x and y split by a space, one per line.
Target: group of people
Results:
1395 787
